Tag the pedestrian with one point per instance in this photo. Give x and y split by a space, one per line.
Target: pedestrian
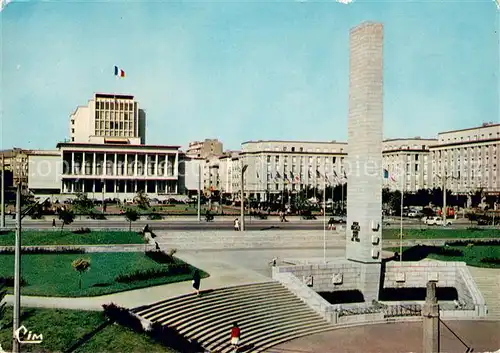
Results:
53 223
196 281
237 224
235 337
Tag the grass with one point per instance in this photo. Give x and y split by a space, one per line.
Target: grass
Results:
472 255
52 274
64 329
55 237
432 233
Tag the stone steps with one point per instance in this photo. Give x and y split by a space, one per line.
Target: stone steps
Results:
267 313
488 282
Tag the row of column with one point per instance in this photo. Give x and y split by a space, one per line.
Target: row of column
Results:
71 186
73 169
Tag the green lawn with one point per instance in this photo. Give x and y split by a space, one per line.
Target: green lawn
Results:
52 274
471 254
55 237
63 329
433 233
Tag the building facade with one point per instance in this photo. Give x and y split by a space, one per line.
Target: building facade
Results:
204 149
109 118
468 159
409 162
274 167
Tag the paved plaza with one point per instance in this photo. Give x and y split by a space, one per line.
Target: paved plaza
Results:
396 338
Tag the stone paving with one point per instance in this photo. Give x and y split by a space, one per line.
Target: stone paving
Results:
395 338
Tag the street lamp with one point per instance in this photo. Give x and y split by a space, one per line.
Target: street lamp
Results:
243 169
2 195
20 176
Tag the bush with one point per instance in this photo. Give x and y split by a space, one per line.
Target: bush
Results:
9 281
81 231
159 257
477 242
155 217
491 260
122 316
38 250
96 215
141 275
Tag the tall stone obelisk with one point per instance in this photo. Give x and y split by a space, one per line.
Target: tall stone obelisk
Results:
364 160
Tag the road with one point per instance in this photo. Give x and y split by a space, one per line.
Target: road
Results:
191 223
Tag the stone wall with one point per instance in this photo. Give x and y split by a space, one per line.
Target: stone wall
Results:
341 275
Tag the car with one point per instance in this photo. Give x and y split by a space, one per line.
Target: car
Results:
436 221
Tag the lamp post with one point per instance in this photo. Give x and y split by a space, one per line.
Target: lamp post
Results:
20 175
324 222
242 204
102 199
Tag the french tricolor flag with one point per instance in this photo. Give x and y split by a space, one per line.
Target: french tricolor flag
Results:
388 176
119 72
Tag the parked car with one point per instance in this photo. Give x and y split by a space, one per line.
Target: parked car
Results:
436 221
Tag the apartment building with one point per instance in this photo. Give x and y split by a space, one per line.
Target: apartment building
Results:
409 162
468 159
204 149
277 166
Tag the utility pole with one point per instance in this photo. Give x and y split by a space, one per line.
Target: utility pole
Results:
242 204
2 195
199 191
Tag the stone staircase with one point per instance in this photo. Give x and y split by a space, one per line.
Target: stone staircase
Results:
488 282
265 239
267 313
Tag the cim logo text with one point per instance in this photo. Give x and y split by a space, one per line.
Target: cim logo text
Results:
23 335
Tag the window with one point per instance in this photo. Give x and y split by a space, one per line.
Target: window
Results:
416 157
284 148
268 159
73 139
416 167
293 149
301 149
334 160
72 121
72 131
277 159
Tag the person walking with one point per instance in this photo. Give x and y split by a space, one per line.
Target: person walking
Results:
235 337
237 224
53 223
196 281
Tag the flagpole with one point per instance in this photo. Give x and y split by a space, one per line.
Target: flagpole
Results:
401 218
324 222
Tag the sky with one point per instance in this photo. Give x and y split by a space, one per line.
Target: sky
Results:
240 71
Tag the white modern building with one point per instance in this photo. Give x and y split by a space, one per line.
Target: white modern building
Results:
277 166
409 163
468 159
109 118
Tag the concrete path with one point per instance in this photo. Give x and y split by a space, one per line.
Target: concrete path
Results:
223 274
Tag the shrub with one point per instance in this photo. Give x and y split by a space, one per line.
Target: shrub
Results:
122 316
491 260
477 242
141 275
81 231
155 217
38 250
9 281
159 257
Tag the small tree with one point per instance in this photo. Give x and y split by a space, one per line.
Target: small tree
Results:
82 205
81 266
131 215
67 217
142 200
